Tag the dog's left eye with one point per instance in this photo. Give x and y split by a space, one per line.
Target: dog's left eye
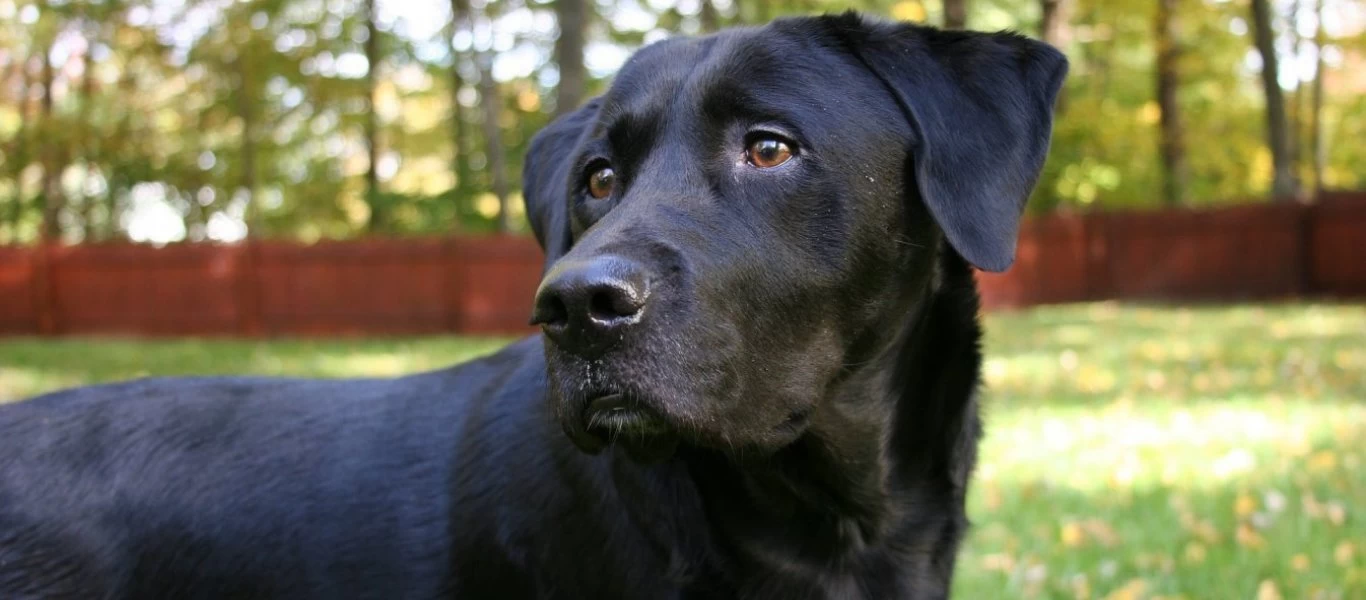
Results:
768 152
601 182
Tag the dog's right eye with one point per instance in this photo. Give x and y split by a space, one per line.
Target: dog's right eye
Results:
601 183
768 152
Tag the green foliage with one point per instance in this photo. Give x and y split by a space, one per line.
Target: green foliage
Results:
252 112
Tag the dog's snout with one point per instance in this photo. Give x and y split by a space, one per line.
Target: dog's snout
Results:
583 305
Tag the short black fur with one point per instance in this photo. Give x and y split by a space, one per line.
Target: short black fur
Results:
785 407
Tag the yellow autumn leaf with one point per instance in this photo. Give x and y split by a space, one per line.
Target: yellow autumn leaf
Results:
998 562
1132 590
908 11
1195 553
1300 562
1337 513
1205 531
1343 553
1081 587
1323 460
1071 535
1267 590
1248 537
1102 532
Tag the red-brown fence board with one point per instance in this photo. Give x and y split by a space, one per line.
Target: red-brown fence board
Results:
367 286
1251 251
1336 239
485 285
1050 265
490 301
118 288
18 301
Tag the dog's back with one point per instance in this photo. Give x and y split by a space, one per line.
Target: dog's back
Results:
444 484
240 487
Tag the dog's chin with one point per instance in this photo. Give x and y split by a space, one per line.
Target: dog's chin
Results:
598 421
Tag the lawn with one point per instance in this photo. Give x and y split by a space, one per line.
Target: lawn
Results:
1132 452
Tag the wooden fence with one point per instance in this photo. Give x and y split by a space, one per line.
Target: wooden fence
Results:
1243 252
367 287
485 285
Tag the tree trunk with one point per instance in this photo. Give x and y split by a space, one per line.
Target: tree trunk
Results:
955 14
52 168
1171 142
1316 141
378 218
493 139
460 14
710 18
248 181
1056 28
1278 134
572 18
89 149
1295 119
119 181
20 159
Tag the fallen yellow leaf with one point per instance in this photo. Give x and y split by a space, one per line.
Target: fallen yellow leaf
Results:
1343 553
1247 536
1300 562
1102 532
1337 513
1132 590
998 562
1071 535
1268 591
1195 553
1323 460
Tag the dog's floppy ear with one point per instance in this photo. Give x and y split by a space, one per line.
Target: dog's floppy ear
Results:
981 106
545 179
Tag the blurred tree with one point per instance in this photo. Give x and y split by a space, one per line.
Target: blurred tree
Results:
1171 131
1316 146
1055 27
493 140
956 14
53 159
708 17
379 218
464 175
211 119
571 16
1277 129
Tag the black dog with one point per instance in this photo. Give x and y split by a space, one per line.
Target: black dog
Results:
759 289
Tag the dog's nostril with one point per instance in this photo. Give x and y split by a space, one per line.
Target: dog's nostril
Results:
555 312
611 302
549 310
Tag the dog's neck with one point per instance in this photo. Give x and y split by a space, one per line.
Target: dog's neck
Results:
877 447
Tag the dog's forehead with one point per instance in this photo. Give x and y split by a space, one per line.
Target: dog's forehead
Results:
777 60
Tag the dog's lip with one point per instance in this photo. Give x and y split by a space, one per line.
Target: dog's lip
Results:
619 407
611 415
611 401
639 430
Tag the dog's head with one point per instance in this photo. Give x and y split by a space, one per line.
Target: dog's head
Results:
741 218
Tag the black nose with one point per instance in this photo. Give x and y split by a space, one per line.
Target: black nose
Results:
585 305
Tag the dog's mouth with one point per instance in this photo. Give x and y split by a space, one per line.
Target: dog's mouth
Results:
621 419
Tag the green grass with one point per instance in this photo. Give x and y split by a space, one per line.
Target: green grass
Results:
1132 452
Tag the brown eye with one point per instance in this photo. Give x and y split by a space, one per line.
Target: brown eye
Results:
601 182
768 152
